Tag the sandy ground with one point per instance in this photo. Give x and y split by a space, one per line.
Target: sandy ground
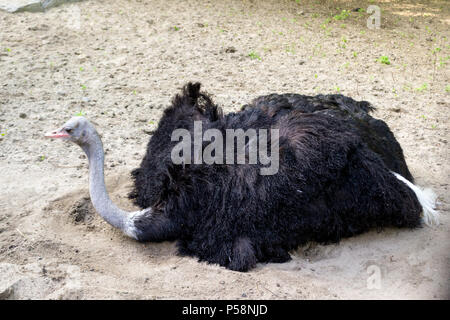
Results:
120 62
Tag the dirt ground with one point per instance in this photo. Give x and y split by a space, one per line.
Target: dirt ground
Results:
120 62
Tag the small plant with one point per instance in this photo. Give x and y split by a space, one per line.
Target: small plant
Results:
384 60
41 158
443 61
176 28
254 55
423 87
337 89
436 50
447 88
433 126
83 87
8 49
3 133
355 54
407 87
291 48
342 16
80 114
81 69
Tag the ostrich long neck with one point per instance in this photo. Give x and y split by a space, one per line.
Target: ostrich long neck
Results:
99 195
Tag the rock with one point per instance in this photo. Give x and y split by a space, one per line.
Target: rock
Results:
397 110
42 27
21 5
147 131
31 5
23 115
6 292
66 293
230 50
9 275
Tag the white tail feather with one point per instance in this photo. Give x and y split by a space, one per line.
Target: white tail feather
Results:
427 199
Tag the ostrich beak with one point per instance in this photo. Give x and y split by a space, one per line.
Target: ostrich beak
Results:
58 133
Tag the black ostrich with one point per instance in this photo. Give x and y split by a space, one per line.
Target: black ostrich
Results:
341 172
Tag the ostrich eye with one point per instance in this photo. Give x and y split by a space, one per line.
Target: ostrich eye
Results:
69 130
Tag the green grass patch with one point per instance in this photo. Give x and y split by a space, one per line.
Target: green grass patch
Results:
342 16
254 55
423 87
384 60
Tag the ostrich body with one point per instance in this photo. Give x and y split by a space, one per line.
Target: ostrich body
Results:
335 180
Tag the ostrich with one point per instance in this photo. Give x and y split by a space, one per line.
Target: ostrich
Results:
341 173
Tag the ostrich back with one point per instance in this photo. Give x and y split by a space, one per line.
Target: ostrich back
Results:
374 132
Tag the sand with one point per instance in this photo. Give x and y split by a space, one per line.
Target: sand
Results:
120 62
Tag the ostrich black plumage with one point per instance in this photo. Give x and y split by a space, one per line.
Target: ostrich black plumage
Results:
374 133
338 176
334 179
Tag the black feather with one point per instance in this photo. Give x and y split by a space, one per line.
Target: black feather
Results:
334 180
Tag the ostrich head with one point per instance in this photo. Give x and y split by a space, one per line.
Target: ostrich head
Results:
78 130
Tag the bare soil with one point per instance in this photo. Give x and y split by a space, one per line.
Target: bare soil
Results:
120 62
